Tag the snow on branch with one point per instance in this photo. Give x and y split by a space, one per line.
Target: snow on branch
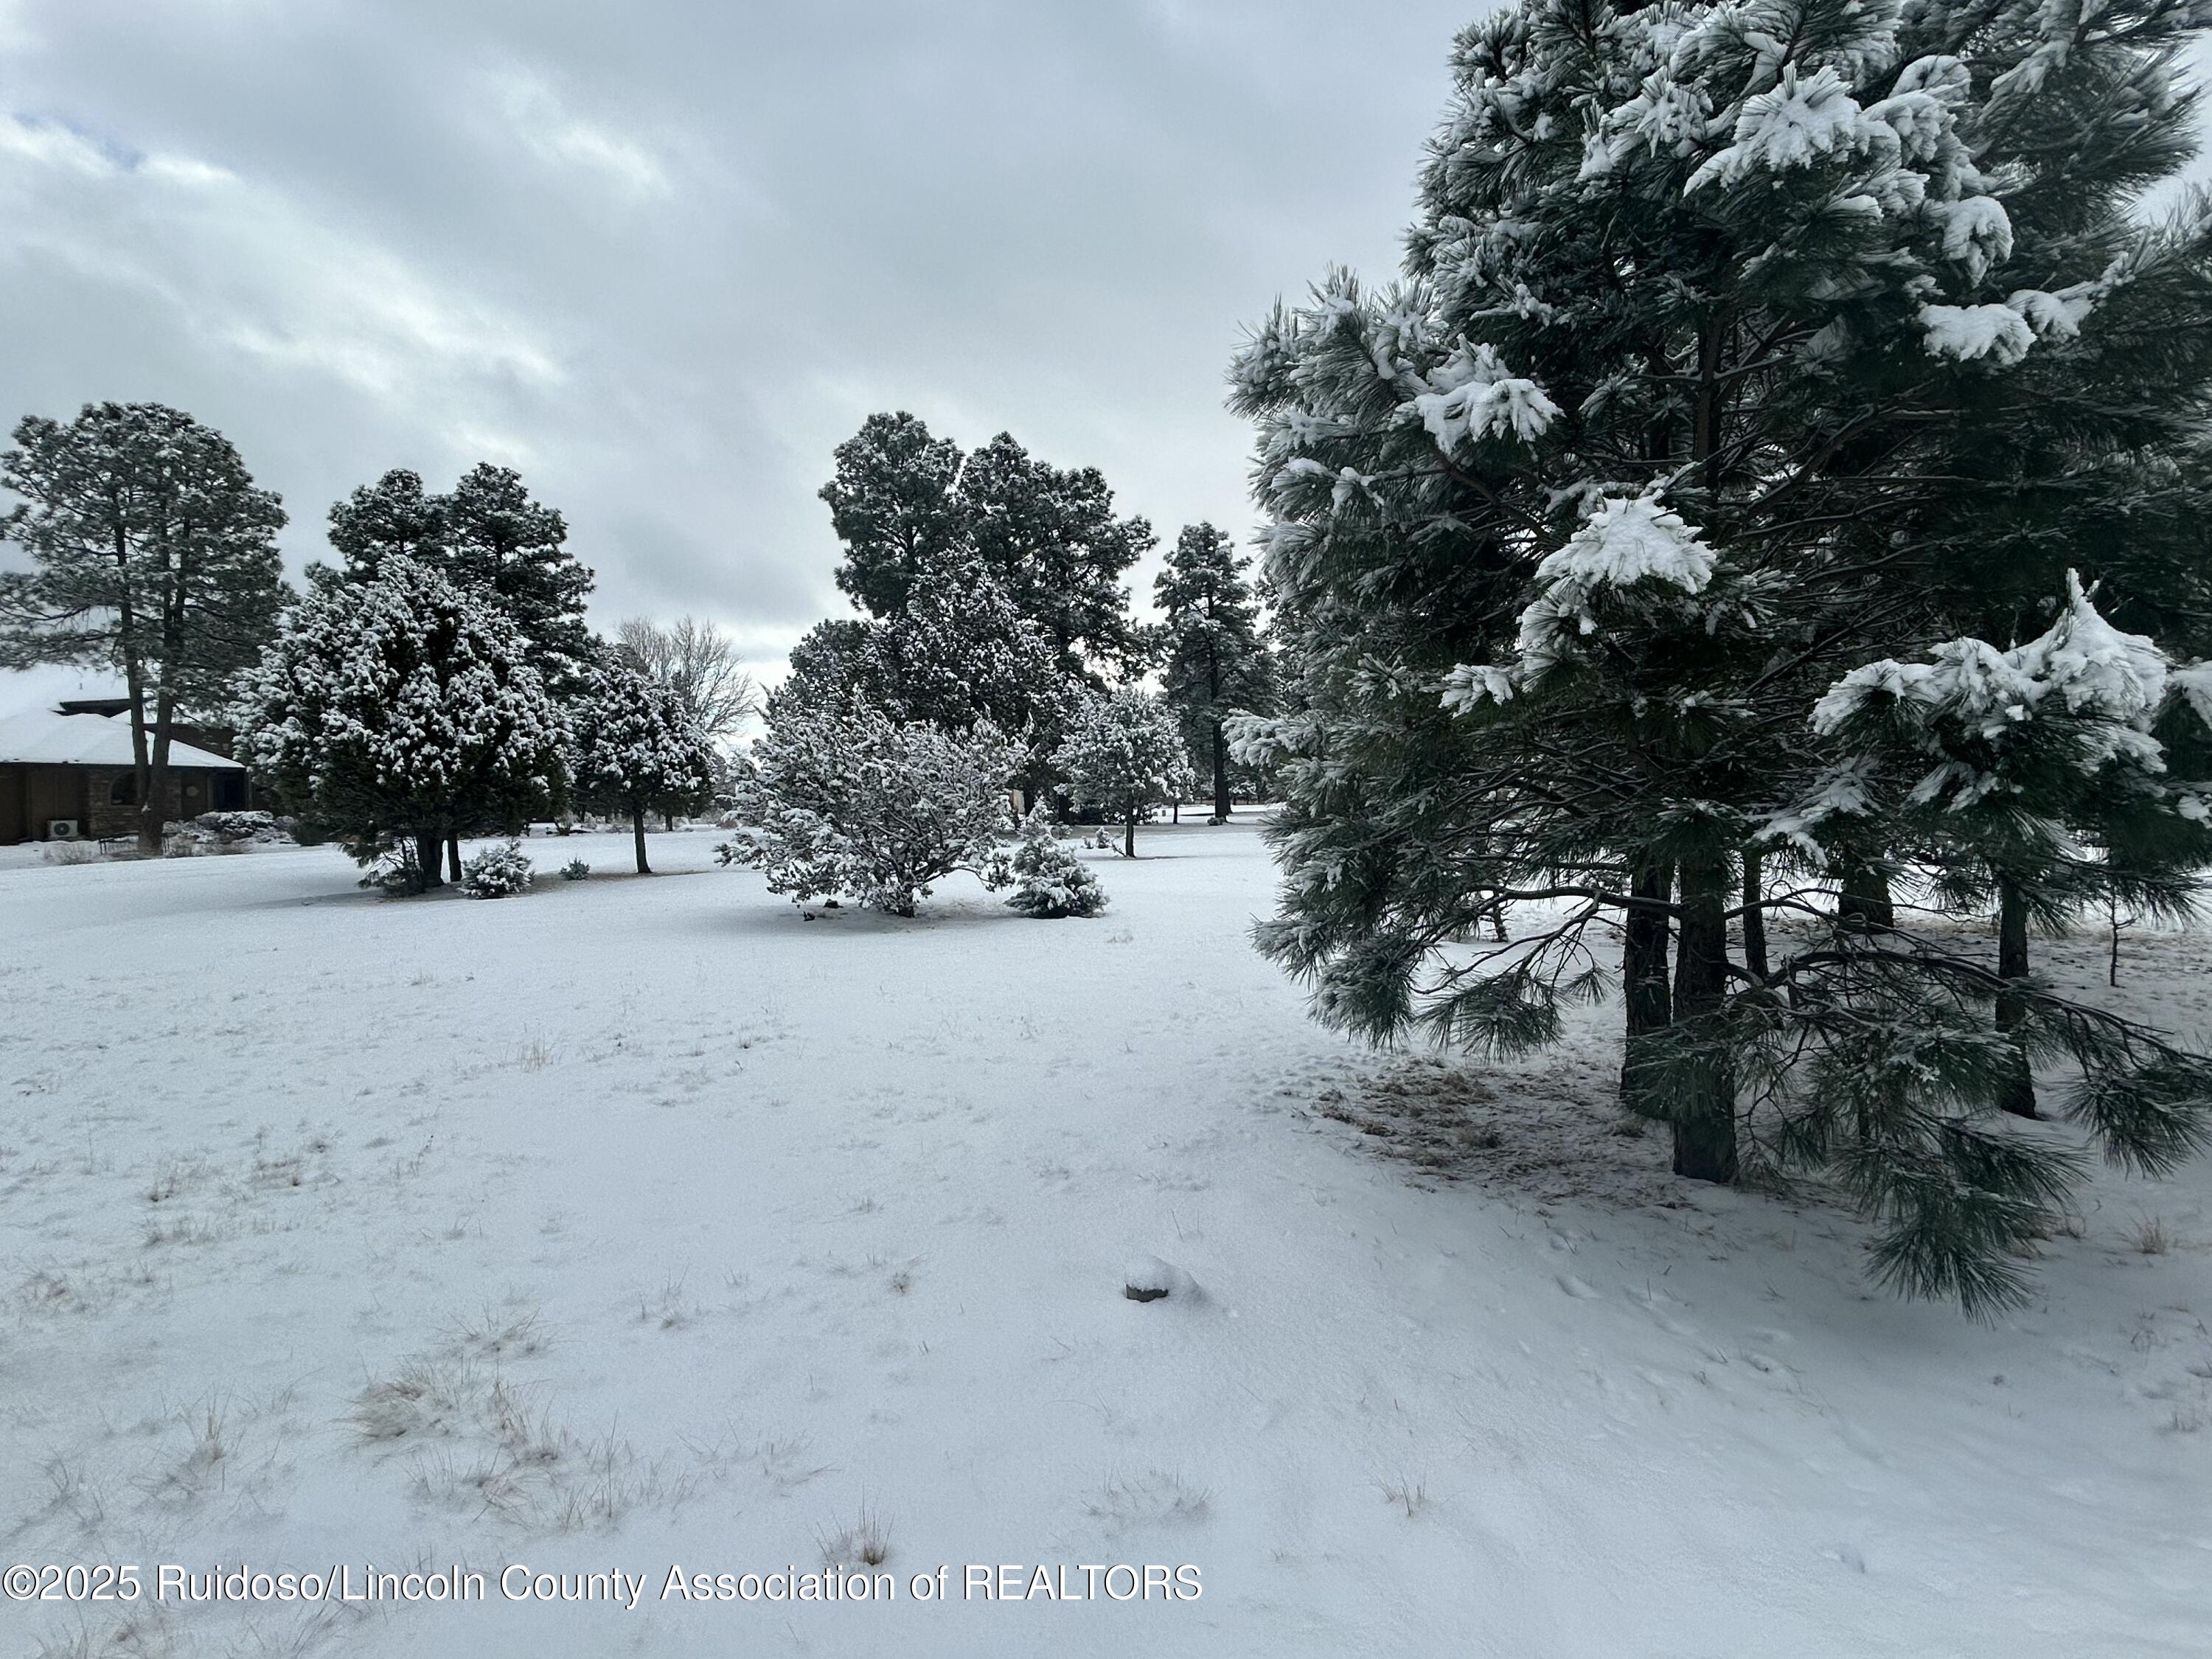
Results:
1971 332
1474 396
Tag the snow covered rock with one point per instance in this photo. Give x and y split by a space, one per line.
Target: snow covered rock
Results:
1148 1279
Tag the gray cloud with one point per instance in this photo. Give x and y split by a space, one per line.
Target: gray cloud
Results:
662 257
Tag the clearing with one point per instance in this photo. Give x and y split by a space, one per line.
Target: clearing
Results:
632 1223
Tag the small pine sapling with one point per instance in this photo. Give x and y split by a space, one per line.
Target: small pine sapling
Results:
1049 880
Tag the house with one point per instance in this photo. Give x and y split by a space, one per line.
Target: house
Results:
66 774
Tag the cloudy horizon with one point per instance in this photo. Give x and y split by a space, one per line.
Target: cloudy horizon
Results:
663 261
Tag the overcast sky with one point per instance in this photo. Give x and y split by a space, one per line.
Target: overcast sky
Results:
662 255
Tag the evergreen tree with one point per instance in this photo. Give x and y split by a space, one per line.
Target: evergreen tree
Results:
1213 664
488 535
1052 537
499 541
153 552
394 516
1124 753
638 748
958 653
402 711
1049 880
915 511
895 505
1736 351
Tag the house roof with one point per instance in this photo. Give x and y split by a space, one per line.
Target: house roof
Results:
41 739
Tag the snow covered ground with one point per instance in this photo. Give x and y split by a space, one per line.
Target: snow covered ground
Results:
634 1223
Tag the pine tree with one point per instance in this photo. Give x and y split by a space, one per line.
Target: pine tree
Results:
486 534
501 542
1213 664
895 505
1052 537
636 748
916 512
1735 353
153 552
1050 882
1124 753
402 711
394 516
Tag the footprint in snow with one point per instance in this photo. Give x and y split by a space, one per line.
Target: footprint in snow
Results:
1574 1287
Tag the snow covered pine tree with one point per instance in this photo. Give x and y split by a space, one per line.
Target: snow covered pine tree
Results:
637 749
1212 662
153 553
399 711
1124 753
1049 880
1740 345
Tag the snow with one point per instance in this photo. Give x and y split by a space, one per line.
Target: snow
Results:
635 1222
1976 232
42 738
1798 123
1475 397
1969 332
1625 541
2091 667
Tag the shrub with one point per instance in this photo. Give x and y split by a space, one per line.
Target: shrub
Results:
394 874
498 872
229 827
849 801
574 870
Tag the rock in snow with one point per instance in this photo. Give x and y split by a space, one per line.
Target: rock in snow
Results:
1147 1279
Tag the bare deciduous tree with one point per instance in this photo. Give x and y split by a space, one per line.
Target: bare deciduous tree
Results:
699 663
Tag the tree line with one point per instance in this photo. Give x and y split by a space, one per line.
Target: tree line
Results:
439 680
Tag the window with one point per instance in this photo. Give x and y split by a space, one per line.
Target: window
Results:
123 792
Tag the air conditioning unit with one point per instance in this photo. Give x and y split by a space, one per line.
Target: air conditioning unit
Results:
61 829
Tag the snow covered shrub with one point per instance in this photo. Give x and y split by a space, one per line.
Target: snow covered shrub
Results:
498 872
574 870
402 706
1049 880
1124 753
229 827
396 873
847 800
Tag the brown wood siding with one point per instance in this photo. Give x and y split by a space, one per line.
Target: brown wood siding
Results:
31 797
49 792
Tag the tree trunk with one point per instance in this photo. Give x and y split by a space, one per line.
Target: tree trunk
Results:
1754 919
453 860
1129 836
1704 1120
427 850
2017 1095
637 832
1644 975
1220 773
1863 901
153 805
